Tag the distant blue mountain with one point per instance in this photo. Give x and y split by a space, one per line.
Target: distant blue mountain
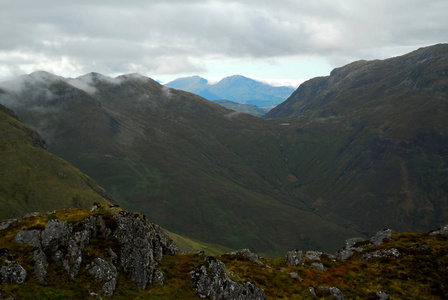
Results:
235 88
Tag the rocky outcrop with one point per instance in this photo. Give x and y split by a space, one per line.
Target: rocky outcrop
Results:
392 253
212 280
354 245
12 272
104 271
294 258
443 231
139 246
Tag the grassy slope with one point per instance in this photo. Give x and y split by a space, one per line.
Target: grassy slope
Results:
419 272
32 179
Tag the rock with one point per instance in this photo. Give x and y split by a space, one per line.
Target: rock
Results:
318 266
113 256
383 295
211 280
13 272
246 254
159 277
334 291
392 252
313 255
40 266
294 258
349 243
141 243
54 233
30 237
378 238
443 230
106 272
95 206
294 275
5 224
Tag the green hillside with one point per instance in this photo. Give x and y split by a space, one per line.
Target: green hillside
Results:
32 179
191 165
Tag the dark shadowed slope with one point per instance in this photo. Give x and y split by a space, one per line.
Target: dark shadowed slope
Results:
369 142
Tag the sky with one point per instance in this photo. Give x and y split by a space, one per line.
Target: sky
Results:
279 42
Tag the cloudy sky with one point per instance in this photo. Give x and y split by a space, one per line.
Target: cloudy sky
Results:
284 41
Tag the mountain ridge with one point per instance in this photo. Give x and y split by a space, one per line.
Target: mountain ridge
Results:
234 88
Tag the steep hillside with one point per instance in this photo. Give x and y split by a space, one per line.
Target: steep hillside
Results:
32 179
108 252
235 88
369 142
192 166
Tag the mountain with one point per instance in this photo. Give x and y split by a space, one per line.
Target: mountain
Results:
196 168
345 155
369 142
245 108
109 252
33 179
235 88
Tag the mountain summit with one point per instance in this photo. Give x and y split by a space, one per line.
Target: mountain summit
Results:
235 88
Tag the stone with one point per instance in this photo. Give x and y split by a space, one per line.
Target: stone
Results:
318 266
392 252
5 224
55 233
378 238
30 237
40 266
443 230
13 272
313 255
294 258
246 254
104 271
334 291
212 280
349 243
159 277
95 206
383 295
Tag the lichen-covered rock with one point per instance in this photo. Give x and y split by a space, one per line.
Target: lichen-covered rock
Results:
55 233
5 224
211 280
13 272
106 272
392 252
294 258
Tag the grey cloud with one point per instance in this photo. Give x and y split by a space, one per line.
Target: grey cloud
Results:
171 36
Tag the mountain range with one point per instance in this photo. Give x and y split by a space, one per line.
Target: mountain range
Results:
345 155
235 88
